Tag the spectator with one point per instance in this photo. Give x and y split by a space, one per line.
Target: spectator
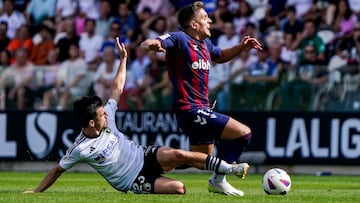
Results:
85 9
90 44
114 31
105 73
330 12
291 24
65 9
157 94
259 79
5 56
345 19
135 86
127 20
80 18
355 7
144 15
288 56
19 81
353 45
243 16
103 23
22 40
157 7
40 51
309 36
20 5
221 15
39 10
153 27
4 64
4 39
218 89
72 81
13 18
47 74
64 43
302 7
277 9
311 74
90 8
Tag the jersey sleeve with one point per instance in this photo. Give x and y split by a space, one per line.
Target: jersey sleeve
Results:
111 108
168 40
215 51
71 157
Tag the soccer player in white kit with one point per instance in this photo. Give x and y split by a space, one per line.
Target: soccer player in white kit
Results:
123 163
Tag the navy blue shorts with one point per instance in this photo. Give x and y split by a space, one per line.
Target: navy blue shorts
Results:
203 126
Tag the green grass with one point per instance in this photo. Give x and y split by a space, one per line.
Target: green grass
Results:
91 187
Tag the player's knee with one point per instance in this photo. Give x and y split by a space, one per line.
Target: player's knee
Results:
248 136
180 188
246 130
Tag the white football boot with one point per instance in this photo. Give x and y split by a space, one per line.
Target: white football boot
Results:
223 188
240 170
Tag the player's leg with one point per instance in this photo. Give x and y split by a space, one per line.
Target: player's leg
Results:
206 148
203 127
170 158
165 185
233 141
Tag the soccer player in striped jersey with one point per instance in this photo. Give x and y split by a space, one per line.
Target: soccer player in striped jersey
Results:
189 54
124 164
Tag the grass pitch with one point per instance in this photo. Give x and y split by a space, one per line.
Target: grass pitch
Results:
91 187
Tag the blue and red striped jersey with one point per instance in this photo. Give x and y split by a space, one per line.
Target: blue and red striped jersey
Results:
188 62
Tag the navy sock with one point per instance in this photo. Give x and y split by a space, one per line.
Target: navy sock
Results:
230 150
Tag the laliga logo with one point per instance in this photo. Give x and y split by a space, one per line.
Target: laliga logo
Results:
201 64
41 133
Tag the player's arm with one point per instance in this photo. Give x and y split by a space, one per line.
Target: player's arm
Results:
152 45
49 179
118 84
245 44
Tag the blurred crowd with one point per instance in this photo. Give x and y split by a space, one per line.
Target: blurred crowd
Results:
53 51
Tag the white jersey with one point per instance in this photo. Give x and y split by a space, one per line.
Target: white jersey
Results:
112 154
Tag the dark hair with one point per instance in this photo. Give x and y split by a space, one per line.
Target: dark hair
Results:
85 109
188 12
4 23
291 8
90 20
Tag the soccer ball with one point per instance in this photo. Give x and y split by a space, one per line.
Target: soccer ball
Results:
276 181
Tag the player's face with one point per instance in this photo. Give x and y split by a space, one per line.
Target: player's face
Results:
101 119
203 23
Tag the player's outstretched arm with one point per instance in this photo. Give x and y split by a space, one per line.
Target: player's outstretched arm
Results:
152 45
49 179
246 44
119 80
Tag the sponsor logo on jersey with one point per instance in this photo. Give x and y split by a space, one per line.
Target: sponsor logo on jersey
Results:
201 64
100 159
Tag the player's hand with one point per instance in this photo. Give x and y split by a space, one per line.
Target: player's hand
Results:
121 47
155 45
29 192
249 42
